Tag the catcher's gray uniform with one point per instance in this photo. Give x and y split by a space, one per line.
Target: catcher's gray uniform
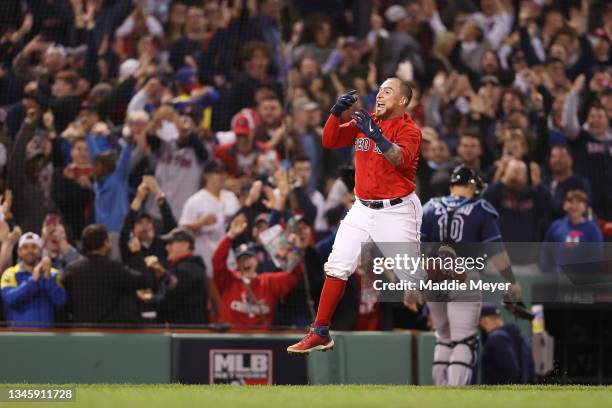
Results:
455 315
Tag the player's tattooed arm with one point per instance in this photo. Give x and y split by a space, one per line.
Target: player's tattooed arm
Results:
363 121
394 155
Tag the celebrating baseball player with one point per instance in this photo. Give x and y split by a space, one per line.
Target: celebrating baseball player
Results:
387 145
461 217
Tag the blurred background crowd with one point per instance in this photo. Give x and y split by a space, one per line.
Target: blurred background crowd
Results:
145 145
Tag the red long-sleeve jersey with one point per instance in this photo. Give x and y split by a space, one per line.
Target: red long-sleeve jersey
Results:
375 177
242 307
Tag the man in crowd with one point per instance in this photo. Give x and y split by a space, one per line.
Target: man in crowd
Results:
506 356
102 290
32 288
248 299
562 178
138 227
183 299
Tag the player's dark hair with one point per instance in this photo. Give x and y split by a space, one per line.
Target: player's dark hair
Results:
406 88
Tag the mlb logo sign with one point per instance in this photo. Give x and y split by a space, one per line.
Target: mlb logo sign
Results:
240 367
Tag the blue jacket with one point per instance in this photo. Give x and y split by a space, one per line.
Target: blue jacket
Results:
29 301
112 201
507 358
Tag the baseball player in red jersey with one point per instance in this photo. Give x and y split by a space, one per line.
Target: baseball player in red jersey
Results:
387 146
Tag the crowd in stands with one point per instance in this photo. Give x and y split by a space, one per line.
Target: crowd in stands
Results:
145 145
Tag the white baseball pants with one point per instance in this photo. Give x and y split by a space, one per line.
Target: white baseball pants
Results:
398 223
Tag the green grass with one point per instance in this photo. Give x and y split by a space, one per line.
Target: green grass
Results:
170 396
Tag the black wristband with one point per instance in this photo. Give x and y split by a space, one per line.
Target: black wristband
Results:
508 275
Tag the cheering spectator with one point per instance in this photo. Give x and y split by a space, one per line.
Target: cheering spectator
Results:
469 153
256 58
27 176
574 227
562 178
138 229
206 213
181 157
524 210
111 187
188 45
248 299
400 45
297 308
32 288
101 290
577 238
65 103
73 188
309 201
55 244
8 240
589 145
240 157
183 299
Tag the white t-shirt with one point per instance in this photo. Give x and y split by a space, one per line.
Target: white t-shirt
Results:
179 175
209 236
319 201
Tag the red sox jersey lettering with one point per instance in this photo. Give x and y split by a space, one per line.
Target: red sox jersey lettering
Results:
375 177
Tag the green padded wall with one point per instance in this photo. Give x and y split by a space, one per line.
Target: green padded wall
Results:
85 358
364 358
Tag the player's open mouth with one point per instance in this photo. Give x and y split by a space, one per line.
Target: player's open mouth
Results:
380 106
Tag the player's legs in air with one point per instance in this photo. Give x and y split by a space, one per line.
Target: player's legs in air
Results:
342 262
361 224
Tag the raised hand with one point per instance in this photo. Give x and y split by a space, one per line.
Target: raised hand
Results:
238 226
363 121
344 102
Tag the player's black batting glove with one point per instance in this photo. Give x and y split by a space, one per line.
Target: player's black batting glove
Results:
344 102
363 121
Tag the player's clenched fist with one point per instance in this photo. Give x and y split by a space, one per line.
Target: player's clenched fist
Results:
344 102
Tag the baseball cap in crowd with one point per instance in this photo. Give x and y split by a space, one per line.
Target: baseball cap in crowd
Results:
178 234
128 67
214 166
244 250
304 105
395 13
241 125
490 309
30 238
300 218
187 78
263 217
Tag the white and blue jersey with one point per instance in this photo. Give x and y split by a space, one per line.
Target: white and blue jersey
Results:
473 220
